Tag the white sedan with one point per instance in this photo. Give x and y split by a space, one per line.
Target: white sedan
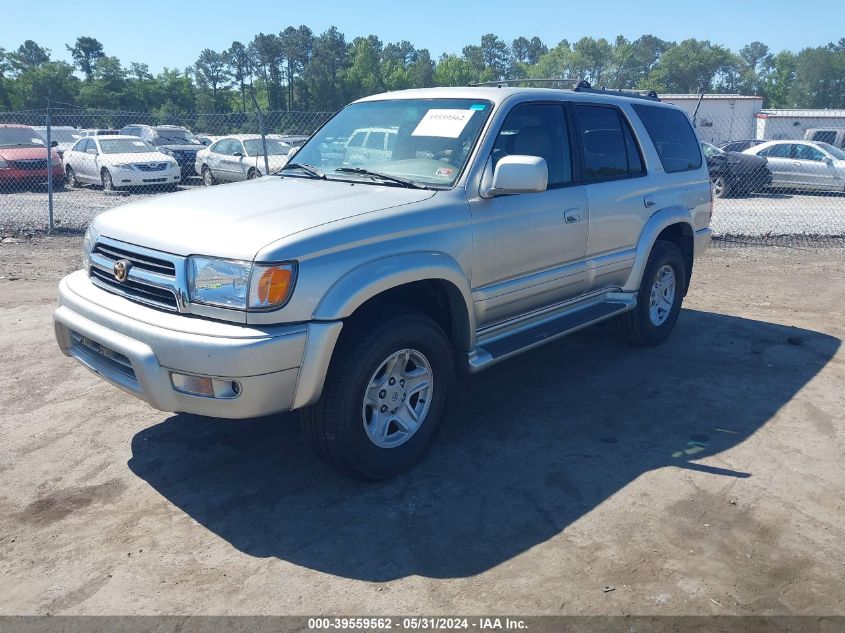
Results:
240 157
114 161
803 164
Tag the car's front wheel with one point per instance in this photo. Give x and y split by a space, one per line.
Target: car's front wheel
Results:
108 183
207 176
385 394
720 186
70 176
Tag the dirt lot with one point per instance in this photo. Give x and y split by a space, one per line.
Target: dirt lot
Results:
704 476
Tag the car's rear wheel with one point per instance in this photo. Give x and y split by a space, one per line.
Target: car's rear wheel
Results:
252 174
70 177
108 183
385 394
658 300
207 176
720 186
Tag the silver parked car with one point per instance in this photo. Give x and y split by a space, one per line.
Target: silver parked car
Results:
240 157
803 164
501 219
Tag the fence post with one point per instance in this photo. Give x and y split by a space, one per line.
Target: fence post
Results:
261 130
49 173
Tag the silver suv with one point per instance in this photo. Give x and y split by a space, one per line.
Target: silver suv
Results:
500 219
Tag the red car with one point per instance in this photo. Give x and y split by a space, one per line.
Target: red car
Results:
24 159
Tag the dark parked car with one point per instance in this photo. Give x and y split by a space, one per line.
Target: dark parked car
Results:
734 172
740 145
173 140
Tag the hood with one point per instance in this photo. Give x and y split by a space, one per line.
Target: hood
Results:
238 220
26 153
176 147
141 157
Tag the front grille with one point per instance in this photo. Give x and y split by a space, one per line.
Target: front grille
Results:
151 166
101 356
135 290
29 165
153 278
144 262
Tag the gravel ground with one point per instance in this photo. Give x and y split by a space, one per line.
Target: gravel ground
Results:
758 215
701 477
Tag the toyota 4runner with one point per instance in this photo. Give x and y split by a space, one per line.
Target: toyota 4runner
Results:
497 220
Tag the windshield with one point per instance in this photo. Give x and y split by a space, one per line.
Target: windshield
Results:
274 148
425 141
834 151
711 150
175 137
60 136
20 137
125 146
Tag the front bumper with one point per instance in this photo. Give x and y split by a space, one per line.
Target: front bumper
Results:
15 175
138 348
122 177
702 241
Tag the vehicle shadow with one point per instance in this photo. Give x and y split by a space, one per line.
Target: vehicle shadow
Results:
530 446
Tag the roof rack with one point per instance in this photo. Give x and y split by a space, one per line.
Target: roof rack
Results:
584 86
577 85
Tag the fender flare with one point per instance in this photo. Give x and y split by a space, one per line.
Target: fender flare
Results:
654 226
373 277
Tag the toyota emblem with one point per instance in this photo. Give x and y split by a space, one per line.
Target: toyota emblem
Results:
121 269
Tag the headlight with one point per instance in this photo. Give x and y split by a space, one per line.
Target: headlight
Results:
87 245
239 285
167 151
3 164
124 166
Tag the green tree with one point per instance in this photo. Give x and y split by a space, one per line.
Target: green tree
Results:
820 77
452 70
85 52
326 69
364 75
212 72
54 80
28 56
691 66
776 86
237 59
108 87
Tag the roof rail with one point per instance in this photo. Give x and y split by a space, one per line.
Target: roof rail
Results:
584 86
577 85
568 83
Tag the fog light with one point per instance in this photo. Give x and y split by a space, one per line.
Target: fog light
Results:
205 387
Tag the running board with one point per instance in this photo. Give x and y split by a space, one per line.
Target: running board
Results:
520 340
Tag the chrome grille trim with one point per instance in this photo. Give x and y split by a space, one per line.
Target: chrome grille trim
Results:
155 278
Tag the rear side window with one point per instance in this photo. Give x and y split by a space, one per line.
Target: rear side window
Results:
608 146
673 137
827 136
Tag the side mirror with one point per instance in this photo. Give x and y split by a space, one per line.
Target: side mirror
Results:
238 154
519 174
54 143
827 160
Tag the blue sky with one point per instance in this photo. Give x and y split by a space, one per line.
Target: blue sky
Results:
173 33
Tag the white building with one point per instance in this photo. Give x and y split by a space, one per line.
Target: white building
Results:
720 117
791 124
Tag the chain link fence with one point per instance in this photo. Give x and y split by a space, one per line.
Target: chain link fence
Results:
784 190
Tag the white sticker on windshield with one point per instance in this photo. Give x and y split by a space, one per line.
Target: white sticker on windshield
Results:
444 123
38 141
138 143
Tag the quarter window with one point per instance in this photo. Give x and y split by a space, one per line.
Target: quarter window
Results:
672 135
609 148
807 152
375 140
537 129
783 150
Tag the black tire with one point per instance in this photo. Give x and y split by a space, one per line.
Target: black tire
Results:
335 425
721 186
252 174
106 179
207 177
70 177
636 326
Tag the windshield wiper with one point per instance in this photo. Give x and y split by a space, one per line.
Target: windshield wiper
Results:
310 169
377 174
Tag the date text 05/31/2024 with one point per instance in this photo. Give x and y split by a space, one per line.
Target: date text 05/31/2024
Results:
416 623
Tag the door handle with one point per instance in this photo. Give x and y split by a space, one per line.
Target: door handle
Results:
649 201
572 215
